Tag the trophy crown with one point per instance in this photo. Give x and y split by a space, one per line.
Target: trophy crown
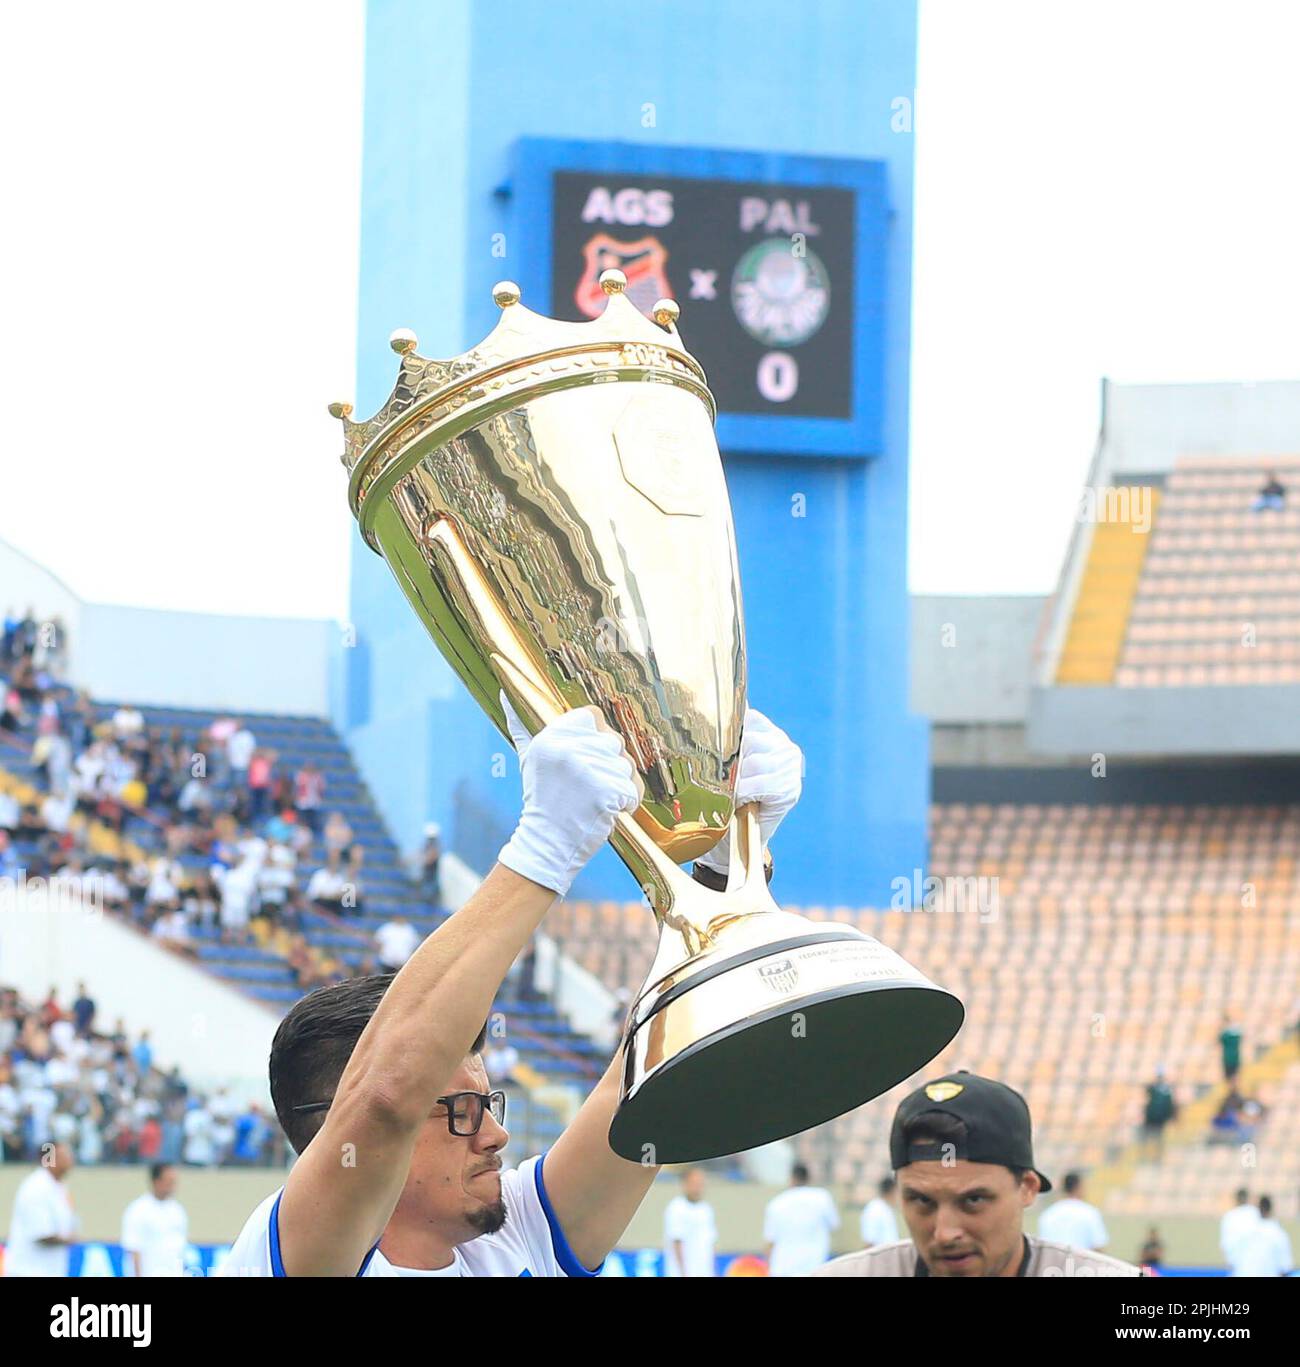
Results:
522 342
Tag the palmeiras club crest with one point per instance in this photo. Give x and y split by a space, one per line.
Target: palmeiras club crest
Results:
780 296
641 261
780 976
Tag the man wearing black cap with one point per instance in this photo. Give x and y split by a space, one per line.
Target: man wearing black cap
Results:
962 1150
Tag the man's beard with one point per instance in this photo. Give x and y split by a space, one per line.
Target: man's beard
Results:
489 1218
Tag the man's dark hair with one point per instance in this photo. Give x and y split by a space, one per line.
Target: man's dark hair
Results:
156 1171
1265 1207
1242 1196
887 1184
799 1174
939 1128
1072 1183
313 1045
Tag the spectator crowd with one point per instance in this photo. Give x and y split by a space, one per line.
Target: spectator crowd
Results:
64 1080
222 833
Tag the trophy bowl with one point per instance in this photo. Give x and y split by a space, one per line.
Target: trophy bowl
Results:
553 505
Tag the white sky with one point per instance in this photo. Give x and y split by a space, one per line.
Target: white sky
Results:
179 294
1103 188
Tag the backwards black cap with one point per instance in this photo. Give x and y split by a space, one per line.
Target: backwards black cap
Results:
996 1120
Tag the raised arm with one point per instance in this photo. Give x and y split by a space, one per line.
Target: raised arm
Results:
595 1193
342 1192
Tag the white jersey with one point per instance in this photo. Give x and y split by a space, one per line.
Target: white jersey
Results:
798 1224
529 1244
158 1231
1074 1222
1264 1250
692 1225
1236 1224
42 1209
878 1225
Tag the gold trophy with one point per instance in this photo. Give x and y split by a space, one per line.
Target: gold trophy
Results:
552 503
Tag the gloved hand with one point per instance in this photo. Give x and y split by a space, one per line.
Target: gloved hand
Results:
577 778
771 774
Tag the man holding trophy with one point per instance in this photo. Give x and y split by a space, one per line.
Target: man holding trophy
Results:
553 505
385 1071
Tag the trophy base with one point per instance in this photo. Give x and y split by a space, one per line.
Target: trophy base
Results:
716 1066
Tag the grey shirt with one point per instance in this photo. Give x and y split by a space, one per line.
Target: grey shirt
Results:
1044 1260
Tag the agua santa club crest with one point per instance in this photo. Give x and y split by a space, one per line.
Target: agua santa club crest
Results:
641 261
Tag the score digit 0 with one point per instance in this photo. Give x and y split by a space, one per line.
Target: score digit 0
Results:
778 377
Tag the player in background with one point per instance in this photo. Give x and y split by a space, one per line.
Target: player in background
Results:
1263 1249
1238 1221
879 1225
797 1227
44 1225
1072 1220
690 1230
155 1228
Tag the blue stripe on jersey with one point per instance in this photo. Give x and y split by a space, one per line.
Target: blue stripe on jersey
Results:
564 1255
277 1262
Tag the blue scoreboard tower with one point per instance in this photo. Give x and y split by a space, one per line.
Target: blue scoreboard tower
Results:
755 163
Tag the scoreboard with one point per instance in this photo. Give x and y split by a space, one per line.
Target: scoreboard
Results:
776 262
763 308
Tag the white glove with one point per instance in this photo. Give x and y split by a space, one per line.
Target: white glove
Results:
577 778
771 774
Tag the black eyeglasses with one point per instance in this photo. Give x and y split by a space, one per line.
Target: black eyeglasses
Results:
464 1110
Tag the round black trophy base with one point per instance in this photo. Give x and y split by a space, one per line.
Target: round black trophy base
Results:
775 1072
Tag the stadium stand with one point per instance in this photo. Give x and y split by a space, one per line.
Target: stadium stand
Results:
1218 599
1193 1174
1091 945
